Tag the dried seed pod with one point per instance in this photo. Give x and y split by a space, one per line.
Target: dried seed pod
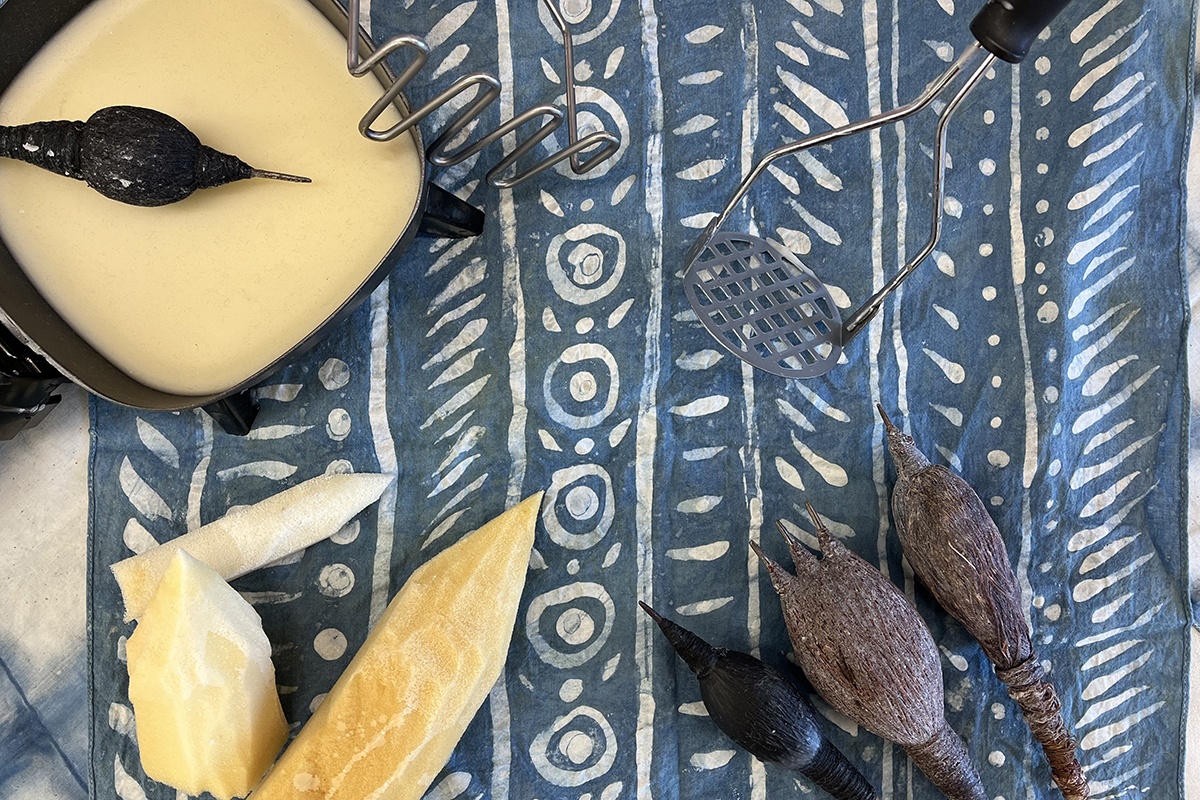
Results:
129 154
866 650
762 711
956 550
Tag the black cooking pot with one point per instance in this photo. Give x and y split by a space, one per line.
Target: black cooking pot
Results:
39 350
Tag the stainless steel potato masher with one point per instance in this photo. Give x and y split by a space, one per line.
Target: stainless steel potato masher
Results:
602 143
759 301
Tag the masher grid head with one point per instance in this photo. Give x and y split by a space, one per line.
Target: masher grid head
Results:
764 306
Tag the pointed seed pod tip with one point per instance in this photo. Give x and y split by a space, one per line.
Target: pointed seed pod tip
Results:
763 712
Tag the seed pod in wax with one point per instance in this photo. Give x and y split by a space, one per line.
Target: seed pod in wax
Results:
866 650
133 155
762 711
956 550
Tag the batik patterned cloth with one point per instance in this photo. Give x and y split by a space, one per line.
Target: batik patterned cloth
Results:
1039 353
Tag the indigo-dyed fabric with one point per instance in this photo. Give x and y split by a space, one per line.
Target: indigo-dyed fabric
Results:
1039 353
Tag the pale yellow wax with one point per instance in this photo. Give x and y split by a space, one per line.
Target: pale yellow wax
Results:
197 296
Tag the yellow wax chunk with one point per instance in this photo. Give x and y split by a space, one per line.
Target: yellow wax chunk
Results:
198 296
254 537
393 718
203 686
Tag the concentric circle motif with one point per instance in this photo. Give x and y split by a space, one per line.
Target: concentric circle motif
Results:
579 747
591 266
577 12
589 120
575 609
587 508
583 386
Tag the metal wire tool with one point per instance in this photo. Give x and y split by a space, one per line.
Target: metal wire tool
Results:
437 153
759 301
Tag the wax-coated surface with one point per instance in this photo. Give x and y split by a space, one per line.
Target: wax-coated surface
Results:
202 685
591 373
197 296
252 538
397 712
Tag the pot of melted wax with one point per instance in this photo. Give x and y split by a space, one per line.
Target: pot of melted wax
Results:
195 300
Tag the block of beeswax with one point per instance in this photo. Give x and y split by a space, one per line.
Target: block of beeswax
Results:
243 541
203 686
391 721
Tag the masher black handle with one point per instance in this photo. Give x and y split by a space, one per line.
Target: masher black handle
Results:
1008 28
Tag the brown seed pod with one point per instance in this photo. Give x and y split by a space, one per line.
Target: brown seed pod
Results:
866 650
133 155
956 550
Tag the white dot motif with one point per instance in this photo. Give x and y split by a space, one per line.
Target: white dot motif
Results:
582 502
347 534
576 746
1048 312
583 386
570 690
337 427
335 580
575 626
339 466
334 374
330 644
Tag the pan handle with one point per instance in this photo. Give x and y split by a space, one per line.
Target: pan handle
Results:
448 217
1008 28
27 383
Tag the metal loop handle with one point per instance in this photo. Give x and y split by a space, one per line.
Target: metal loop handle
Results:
436 152
969 55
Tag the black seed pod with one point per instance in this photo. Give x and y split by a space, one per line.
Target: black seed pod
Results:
132 155
763 712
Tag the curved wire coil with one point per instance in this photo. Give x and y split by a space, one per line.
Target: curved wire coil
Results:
436 153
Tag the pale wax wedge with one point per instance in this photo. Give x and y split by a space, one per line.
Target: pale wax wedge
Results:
203 686
392 720
254 537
